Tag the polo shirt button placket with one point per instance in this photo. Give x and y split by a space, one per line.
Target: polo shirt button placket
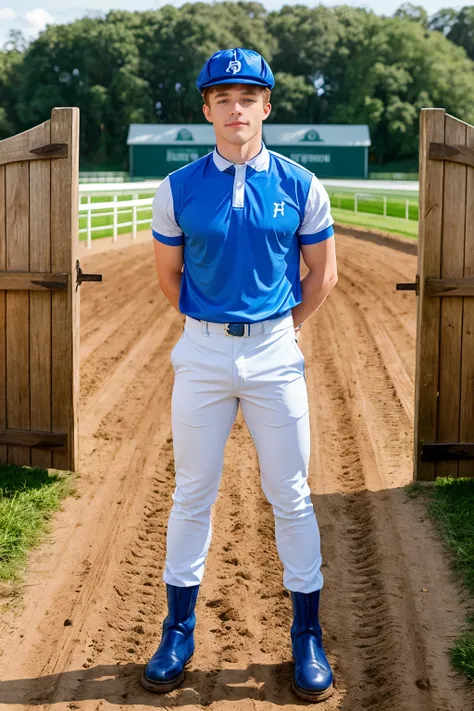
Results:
239 186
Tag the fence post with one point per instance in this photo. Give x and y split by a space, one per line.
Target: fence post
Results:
89 223
385 206
355 202
115 217
406 209
134 217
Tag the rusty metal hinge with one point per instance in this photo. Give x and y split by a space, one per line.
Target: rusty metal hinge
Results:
456 154
85 277
444 451
51 150
409 286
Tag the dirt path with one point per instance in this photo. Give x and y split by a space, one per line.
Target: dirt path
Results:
389 606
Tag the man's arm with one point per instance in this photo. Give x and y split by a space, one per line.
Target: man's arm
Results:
169 265
320 258
317 245
168 240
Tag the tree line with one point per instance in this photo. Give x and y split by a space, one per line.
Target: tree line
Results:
332 65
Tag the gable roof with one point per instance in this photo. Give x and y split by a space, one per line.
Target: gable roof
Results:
274 134
140 134
280 134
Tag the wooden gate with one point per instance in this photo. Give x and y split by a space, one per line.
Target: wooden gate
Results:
39 303
444 386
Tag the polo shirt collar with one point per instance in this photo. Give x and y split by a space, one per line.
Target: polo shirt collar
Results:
260 162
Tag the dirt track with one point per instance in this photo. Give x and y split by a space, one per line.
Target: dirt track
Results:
389 606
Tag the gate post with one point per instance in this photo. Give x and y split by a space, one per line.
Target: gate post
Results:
444 382
39 303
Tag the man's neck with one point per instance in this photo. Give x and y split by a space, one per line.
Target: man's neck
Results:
239 154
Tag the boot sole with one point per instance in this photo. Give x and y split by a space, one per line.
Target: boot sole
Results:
163 687
313 696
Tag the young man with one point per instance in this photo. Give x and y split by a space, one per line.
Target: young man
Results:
238 220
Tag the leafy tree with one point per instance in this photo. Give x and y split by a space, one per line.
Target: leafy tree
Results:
415 13
462 31
443 20
10 63
332 65
291 99
457 26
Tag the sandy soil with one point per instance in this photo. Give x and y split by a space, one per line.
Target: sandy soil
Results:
390 606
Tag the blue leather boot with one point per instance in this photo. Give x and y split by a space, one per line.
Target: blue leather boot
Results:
165 670
313 678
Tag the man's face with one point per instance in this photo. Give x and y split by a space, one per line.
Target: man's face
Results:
237 112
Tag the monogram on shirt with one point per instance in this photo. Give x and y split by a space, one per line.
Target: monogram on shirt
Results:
279 209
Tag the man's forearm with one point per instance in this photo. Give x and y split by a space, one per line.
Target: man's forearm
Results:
171 287
313 296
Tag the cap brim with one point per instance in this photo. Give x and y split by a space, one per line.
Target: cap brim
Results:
235 80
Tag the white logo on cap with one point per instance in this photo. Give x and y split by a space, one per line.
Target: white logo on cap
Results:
234 65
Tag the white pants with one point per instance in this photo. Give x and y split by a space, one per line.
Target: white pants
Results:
265 372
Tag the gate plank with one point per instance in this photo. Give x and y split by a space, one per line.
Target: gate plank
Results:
452 260
428 309
40 302
3 264
466 425
17 306
65 306
33 281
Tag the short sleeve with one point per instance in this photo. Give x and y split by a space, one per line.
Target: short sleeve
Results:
164 227
317 222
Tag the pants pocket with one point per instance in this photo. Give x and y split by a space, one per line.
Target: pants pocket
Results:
175 348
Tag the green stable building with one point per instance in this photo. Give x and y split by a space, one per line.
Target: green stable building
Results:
156 149
329 150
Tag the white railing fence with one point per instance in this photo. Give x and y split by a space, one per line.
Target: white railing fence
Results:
114 208
359 199
139 208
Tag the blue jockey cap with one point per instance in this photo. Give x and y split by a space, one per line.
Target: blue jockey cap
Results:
235 66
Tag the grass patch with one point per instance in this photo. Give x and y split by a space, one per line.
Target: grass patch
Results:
461 655
393 225
373 204
28 498
450 504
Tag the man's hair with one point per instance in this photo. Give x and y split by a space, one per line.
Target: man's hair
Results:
207 93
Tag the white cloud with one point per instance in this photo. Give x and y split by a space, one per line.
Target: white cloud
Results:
36 20
6 14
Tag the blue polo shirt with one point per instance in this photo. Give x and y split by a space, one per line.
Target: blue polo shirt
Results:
241 227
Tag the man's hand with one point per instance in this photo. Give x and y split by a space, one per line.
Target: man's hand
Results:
297 334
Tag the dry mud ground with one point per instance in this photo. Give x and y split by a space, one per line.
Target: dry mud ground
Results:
390 607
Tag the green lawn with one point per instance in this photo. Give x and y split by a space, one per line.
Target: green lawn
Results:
450 504
28 498
394 225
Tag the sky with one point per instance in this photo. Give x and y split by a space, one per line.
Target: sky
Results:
32 16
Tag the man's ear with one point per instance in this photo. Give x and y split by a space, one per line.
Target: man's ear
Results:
268 110
207 113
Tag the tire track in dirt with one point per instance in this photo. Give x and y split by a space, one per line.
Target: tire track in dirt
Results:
381 627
